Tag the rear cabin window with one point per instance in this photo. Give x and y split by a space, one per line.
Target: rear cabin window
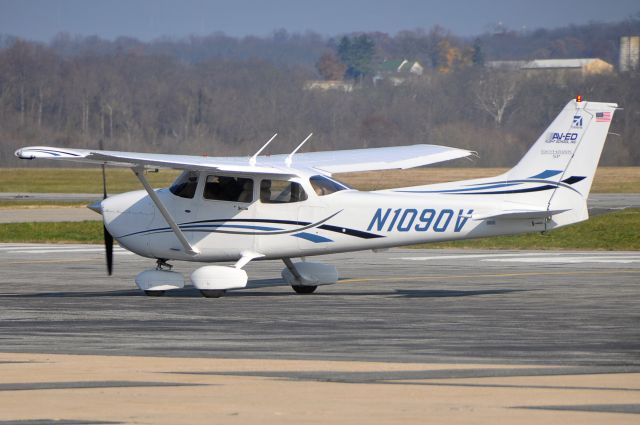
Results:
232 189
325 186
185 185
281 192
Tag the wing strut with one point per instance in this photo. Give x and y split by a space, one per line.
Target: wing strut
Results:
139 172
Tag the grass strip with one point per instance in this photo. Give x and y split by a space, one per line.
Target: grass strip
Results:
618 231
77 180
89 180
54 232
11 204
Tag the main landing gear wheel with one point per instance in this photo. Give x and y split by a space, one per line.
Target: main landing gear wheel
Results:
304 289
212 293
154 293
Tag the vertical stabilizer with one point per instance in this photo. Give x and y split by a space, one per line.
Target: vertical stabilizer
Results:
564 159
569 149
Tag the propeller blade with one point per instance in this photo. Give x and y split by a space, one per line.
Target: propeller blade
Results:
104 174
108 239
108 247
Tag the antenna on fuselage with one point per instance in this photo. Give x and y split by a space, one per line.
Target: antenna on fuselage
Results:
289 158
254 158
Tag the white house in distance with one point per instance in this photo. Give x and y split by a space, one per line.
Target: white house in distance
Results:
402 66
397 71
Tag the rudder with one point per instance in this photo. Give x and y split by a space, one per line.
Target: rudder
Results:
566 155
570 147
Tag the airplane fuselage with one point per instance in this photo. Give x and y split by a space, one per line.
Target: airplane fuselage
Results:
347 220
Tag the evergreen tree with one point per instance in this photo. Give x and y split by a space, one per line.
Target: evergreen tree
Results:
478 55
357 55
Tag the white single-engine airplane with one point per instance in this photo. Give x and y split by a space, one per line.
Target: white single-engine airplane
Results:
288 206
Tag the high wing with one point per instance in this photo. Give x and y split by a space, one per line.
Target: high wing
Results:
388 158
327 162
134 159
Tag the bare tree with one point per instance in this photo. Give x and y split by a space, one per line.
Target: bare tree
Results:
494 91
138 100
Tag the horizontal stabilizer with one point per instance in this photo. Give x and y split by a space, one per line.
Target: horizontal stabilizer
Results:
517 214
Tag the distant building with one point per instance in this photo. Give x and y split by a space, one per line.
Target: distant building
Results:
586 66
560 67
401 66
397 71
629 53
506 65
325 85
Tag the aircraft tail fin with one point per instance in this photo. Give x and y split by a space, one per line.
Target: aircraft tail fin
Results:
553 179
570 148
564 159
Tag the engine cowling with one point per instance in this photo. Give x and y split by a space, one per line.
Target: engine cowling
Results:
312 274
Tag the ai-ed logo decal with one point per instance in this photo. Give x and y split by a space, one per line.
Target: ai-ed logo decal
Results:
577 121
562 138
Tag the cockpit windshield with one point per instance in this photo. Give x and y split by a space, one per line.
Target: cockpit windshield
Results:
185 185
325 186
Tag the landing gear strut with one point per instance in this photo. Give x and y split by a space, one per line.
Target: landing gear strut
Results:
161 264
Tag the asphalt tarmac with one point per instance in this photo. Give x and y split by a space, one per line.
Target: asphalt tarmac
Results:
406 336
400 305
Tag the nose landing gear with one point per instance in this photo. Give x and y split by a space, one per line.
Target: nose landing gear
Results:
155 282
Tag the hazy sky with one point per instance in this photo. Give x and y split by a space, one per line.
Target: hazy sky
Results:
148 19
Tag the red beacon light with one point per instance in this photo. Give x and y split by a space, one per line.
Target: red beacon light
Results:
579 98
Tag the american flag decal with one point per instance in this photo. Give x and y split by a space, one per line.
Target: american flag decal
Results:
603 116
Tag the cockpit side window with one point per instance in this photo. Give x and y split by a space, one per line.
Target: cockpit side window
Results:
185 185
224 188
281 192
325 186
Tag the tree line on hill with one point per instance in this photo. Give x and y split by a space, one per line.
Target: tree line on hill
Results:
283 48
219 95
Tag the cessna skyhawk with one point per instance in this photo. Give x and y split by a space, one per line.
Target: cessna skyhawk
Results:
240 209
